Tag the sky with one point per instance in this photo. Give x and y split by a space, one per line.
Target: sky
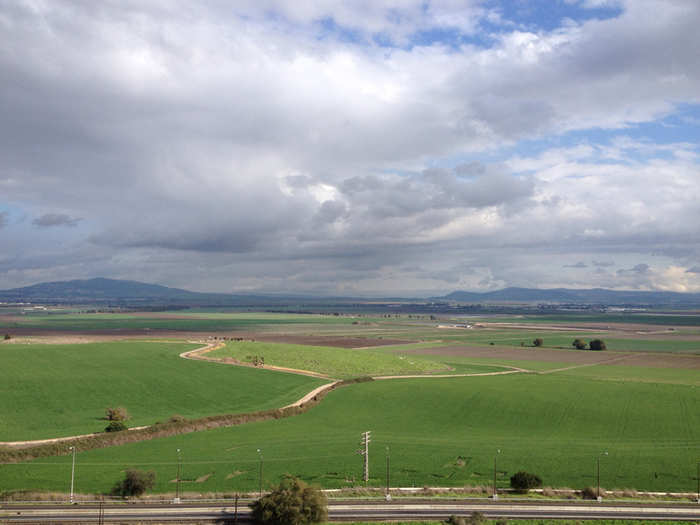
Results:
365 148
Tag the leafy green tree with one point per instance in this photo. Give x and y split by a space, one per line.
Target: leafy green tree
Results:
523 481
293 502
135 483
538 342
597 344
115 426
579 344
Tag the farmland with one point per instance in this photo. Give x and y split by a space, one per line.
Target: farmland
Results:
341 363
442 432
637 401
62 390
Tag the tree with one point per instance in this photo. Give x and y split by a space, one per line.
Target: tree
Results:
293 502
523 481
7 337
115 426
579 344
538 342
135 483
597 344
116 414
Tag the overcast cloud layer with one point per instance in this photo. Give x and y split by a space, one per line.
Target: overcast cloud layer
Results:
378 147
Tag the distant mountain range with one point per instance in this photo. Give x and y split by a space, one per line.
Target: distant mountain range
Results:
567 295
113 291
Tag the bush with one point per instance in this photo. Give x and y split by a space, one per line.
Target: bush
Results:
293 502
116 414
597 344
538 342
475 518
523 481
579 344
7 337
135 483
115 426
589 493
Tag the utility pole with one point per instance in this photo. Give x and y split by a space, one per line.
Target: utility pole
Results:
495 490
261 472
179 468
388 496
72 475
365 452
601 454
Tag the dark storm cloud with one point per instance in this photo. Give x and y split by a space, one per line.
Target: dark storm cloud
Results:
56 219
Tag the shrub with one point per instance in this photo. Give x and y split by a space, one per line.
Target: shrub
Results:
579 344
538 342
293 502
589 493
115 426
597 344
176 418
135 483
523 481
7 337
116 414
475 518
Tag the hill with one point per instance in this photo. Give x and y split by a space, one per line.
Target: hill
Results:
566 295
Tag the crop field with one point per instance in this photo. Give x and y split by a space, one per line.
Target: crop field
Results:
61 390
440 432
166 321
638 402
338 362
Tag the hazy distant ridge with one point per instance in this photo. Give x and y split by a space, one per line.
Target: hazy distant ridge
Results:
567 295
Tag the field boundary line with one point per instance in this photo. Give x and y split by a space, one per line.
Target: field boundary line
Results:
435 376
605 362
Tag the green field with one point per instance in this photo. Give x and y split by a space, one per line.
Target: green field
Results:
185 322
441 432
339 362
61 390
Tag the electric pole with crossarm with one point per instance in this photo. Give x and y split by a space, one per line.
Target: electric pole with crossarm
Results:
365 452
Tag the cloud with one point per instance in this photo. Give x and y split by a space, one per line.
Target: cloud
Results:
3 219
694 269
211 145
579 264
55 219
638 269
603 264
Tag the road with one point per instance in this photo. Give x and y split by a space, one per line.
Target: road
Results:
347 511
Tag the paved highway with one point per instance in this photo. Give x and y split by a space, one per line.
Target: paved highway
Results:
347 511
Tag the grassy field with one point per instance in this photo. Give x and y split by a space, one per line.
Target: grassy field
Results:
161 321
339 362
60 390
441 432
